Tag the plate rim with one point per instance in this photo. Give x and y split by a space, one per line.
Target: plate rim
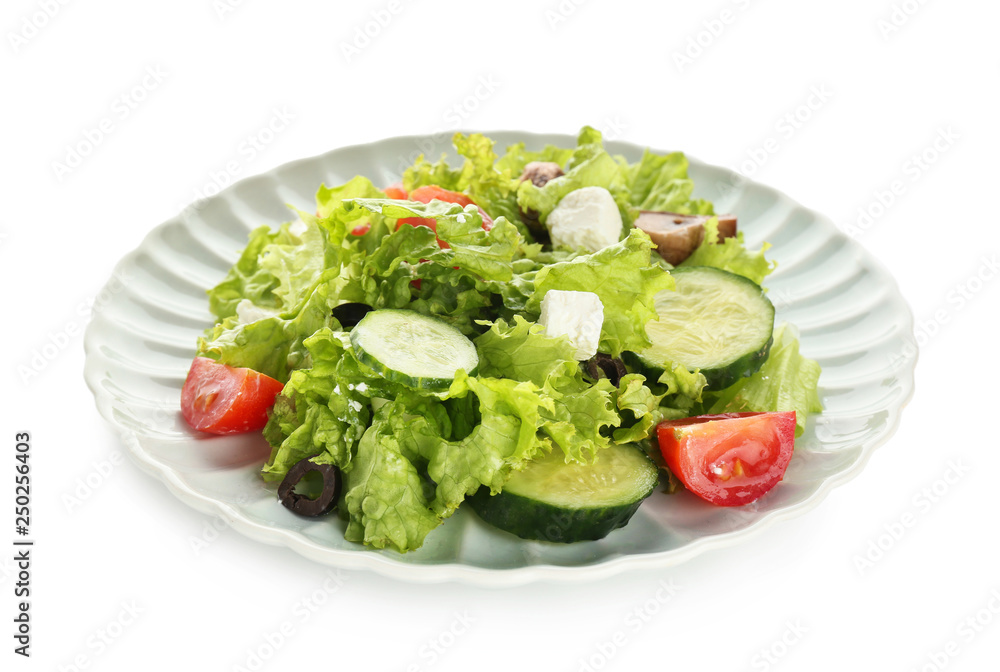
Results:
382 564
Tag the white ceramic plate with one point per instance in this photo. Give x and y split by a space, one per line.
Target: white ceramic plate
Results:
848 309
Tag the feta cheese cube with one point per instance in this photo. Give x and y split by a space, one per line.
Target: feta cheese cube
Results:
587 218
577 315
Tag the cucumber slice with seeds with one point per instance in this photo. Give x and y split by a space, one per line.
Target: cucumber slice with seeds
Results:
551 500
715 321
414 349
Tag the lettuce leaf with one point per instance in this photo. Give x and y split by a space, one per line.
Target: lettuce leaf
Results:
517 157
580 411
278 269
503 441
642 405
730 255
389 502
273 270
384 492
322 410
487 254
274 345
522 351
624 278
589 165
424 173
786 382
660 182
246 279
330 212
492 187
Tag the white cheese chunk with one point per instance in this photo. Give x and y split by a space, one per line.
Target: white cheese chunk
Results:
247 311
588 218
577 315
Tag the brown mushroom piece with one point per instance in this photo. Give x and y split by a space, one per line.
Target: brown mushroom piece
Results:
539 173
677 236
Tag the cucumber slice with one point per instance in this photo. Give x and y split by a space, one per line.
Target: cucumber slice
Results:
716 321
550 500
414 349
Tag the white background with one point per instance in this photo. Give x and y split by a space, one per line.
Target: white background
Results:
796 591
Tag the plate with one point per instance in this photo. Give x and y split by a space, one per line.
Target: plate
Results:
139 345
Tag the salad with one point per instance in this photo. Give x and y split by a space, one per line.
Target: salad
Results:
548 335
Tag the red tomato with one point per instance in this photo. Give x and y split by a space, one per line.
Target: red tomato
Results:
361 229
433 192
220 399
395 191
728 459
429 222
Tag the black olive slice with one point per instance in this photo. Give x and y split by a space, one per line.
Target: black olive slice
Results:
349 314
302 504
612 368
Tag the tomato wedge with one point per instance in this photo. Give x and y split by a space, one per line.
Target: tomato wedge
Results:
396 191
432 192
728 459
361 229
221 399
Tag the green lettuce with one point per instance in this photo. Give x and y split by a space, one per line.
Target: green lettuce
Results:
642 406
487 254
786 382
384 492
581 411
624 278
330 211
272 271
517 157
660 182
389 502
409 457
323 410
589 165
274 345
491 186
730 255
